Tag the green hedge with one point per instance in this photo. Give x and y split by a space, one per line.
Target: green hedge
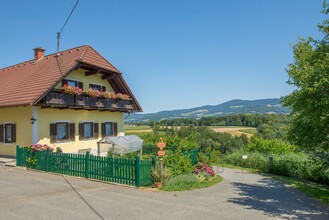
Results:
290 164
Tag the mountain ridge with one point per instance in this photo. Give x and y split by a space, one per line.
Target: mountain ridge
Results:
235 106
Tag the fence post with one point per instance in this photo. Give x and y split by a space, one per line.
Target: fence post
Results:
270 164
87 157
18 158
137 171
47 160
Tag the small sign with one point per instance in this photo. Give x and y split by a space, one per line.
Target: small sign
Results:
161 145
244 157
161 153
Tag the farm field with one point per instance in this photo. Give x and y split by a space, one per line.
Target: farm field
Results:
136 130
233 130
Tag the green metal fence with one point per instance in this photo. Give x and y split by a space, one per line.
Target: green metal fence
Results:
117 170
193 155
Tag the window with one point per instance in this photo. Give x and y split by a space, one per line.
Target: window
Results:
62 131
8 133
97 87
74 83
109 129
88 130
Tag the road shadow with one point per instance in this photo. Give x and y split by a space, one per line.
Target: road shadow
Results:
277 200
83 199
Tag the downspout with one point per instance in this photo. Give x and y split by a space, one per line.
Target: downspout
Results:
34 122
123 122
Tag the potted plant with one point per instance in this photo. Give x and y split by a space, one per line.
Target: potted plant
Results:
156 176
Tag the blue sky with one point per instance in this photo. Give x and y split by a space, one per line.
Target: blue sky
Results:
174 53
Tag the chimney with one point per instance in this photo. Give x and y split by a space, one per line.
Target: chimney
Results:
38 53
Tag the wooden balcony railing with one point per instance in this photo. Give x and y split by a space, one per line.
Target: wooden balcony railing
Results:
57 99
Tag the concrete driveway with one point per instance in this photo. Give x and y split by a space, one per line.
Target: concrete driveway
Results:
35 195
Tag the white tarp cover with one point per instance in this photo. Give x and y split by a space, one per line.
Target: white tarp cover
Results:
121 144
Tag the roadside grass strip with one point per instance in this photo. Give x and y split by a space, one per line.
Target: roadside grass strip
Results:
190 186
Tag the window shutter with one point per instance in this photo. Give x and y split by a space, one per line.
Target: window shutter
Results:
72 132
95 130
53 133
103 127
64 82
13 133
1 133
81 131
80 85
115 129
103 88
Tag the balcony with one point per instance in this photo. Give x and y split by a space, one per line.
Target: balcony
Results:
56 99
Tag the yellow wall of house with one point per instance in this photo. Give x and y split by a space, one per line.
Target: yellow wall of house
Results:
21 116
79 75
48 116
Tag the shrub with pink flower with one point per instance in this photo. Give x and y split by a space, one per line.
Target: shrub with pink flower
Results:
40 147
33 149
203 169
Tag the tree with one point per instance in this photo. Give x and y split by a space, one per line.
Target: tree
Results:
310 100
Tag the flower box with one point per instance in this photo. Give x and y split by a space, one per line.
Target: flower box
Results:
55 98
108 103
92 101
125 104
80 100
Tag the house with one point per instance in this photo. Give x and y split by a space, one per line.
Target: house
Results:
69 100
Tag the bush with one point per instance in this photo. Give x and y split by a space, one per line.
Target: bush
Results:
297 165
178 164
203 158
269 146
183 179
255 160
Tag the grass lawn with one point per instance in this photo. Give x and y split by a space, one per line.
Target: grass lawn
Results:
317 191
196 185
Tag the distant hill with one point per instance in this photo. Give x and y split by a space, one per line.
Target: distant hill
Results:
236 106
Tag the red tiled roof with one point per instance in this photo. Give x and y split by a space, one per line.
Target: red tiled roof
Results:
24 83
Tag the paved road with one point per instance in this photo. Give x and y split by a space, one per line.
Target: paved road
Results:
35 195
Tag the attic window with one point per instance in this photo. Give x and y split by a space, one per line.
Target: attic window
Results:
68 82
97 87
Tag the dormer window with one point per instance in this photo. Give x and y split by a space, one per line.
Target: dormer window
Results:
74 83
97 87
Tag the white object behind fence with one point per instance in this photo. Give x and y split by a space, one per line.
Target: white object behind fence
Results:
120 144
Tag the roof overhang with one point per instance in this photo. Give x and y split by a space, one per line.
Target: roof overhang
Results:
115 79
